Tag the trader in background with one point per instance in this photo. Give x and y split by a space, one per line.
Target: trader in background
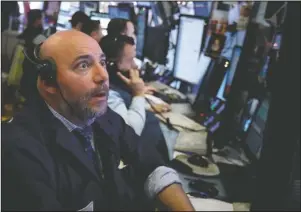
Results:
121 26
78 19
93 29
127 92
32 35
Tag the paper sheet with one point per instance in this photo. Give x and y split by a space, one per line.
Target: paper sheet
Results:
181 120
154 99
201 204
194 142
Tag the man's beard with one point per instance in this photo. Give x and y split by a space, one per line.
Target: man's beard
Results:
81 109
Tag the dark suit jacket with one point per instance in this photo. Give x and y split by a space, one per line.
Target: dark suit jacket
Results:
44 167
152 135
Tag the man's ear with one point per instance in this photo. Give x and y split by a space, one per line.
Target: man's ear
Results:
79 26
93 35
48 87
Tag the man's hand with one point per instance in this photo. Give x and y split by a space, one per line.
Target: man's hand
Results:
135 83
150 89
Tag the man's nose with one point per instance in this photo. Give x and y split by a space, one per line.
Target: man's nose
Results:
100 74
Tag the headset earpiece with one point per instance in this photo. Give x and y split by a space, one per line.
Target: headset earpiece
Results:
112 66
47 71
45 68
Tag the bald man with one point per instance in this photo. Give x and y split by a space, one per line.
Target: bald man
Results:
63 150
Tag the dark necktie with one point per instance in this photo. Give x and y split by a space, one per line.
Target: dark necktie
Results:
86 134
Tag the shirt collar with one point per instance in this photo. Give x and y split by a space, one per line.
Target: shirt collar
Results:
70 126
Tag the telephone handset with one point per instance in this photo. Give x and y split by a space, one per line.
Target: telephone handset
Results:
114 78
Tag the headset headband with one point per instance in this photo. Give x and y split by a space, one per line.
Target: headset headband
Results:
36 51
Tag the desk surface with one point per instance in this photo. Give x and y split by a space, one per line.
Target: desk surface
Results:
182 108
171 136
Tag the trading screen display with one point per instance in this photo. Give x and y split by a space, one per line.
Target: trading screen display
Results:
255 127
116 12
202 8
67 9
143 4
63 18
264 71
88 7
233 66
213 120
189 43
103 18
141 25
277 42
248 114
36 5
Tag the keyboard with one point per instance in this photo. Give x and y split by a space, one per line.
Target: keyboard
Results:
170 98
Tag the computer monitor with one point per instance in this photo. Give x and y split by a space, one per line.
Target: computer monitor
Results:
36 5
143 4
253 125
88 7
63 20
233 66
277 41
142 18
210 85
119 12
103 18
67 9
202 8
65 6
202 96
203 65
212 120
188 50
156 44
264 71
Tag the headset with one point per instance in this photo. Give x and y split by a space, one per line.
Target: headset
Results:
114 47
46 69
112 65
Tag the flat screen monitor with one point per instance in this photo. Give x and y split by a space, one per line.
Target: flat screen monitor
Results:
202 88
233 66
118 12
156 44
141 29
213 120
264 71
202 8
65 6
88 7
63 20
221 91
188 49
103 18
36 5
67 9
143 4
277 41
254 125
